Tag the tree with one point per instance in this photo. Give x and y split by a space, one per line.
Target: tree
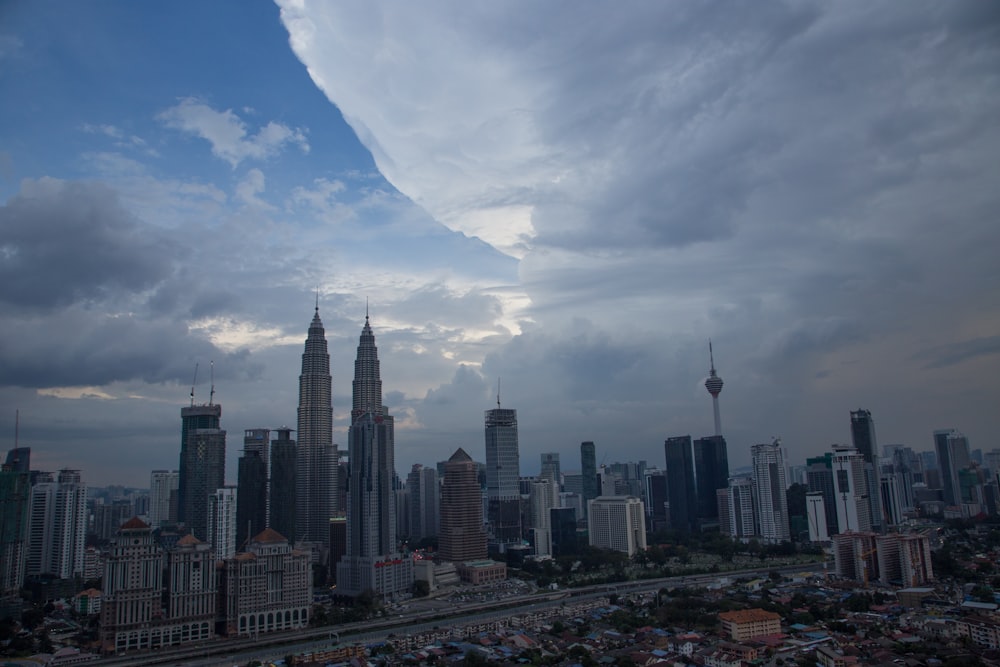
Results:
421 588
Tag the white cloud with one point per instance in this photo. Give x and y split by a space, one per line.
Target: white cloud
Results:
230 138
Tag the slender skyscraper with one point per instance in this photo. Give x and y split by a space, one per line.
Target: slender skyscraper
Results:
588 471
202 465
863 437
316 456
681 494
769 492
281 513
714 386
711 464
372 561
503 470
953 457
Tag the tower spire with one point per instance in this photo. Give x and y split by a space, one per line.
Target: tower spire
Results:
714 385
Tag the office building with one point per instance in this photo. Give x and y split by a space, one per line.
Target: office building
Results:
681 493
564 536
266 588
617 523
539 519
769 492
503 471
282 493
251 495
819 479
588 472
316 455
863 439
462 537
656 500
551 472
373 561
163 485
57 525
952 449
202 464
711 466
422 494
15 495
816 515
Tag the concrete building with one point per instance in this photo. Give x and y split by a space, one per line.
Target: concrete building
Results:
851 489
462 537
742 503
163 485
222 522
281 485
769 492
57 525
855 556
746 624
202 464
266 588
503 472
816 515
588 472
617 523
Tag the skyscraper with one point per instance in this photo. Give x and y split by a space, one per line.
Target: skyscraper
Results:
57 525
202 465
588 470
316 462
462 535
372 561
251 496
681 495
422 489
819 478
769 492
551 472
281 513
711 465
503 472
15 493
852 491
863 438
162 488
714 386
953 456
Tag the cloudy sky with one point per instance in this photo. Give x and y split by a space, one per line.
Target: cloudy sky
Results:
573 197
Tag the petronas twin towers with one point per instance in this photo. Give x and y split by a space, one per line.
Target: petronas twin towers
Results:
371 561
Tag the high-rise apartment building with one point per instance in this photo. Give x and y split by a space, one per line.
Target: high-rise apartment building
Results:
284 457
222 521
373 561
617 523
462 537
588 472
769 492
863 438
819 479
742 503
539 519
711 465
851 485
656 500
163 485
816 515
202 465
952 450
681 493
316 464
57 525
503 470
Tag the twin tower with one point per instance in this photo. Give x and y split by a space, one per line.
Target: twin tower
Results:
371 561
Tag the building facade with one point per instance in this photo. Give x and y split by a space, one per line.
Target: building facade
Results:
281 485
57 525
316 455
462 537
503 471
588 472
163 485
711 465
617 523
202 465
769 492
681 492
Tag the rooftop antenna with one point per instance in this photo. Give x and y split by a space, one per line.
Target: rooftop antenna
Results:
211 394
498 391
317 299
366 308
194 382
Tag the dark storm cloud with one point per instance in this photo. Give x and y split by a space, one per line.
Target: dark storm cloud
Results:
959 352
62 243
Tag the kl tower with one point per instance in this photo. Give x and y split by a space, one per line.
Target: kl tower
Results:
714 386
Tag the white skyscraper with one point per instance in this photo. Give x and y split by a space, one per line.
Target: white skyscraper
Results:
57 525
816 514
742 507
540 506
769 492
618 523
222 522
162 483
850 485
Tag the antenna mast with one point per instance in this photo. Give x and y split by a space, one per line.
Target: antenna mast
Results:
498 392
194 382
211 395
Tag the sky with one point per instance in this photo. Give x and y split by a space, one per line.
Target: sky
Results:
565 199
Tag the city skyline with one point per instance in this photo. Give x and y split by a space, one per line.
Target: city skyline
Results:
785 181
